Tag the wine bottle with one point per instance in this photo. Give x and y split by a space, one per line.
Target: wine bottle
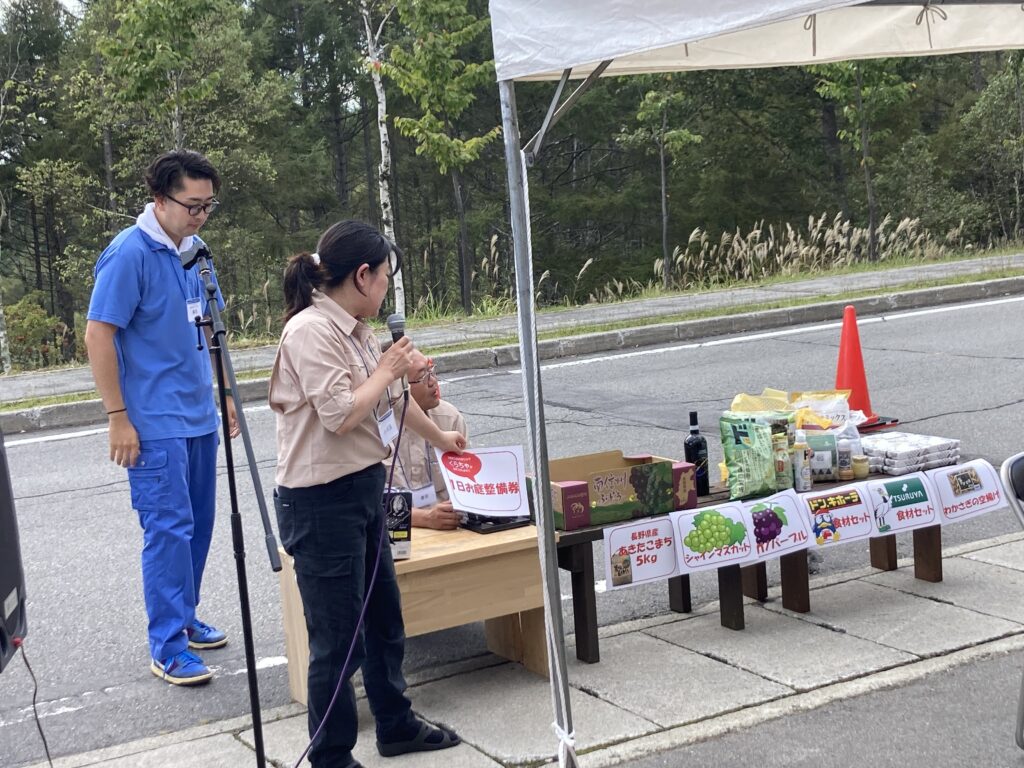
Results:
695 450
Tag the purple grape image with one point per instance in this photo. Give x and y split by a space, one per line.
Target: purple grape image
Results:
769 520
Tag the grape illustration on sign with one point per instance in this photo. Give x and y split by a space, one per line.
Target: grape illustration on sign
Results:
780 525
714 537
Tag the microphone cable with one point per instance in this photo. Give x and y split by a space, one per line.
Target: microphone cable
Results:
366 592
19 643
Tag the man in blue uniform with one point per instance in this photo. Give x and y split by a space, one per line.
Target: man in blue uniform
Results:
157 391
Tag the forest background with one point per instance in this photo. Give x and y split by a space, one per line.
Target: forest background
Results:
651 184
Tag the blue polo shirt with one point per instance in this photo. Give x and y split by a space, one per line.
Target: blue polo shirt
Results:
167 383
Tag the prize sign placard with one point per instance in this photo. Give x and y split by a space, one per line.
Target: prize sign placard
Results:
636 553
967 490
902 503
838 515
780 525
486 481
713 537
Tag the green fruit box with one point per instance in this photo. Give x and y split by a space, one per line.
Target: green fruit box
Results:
607 487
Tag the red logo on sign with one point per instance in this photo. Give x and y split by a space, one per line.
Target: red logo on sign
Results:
462 464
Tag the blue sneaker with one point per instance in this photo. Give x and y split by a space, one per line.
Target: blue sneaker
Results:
182 669
203 637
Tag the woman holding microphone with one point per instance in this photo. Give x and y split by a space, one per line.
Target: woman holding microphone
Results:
338 404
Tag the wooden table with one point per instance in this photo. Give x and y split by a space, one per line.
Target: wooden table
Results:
453 578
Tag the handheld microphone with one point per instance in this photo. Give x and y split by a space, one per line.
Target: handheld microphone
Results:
396 324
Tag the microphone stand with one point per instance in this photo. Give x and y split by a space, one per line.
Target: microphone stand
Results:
222 363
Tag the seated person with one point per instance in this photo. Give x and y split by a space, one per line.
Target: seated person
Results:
417 469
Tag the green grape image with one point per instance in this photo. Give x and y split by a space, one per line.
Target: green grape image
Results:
712 530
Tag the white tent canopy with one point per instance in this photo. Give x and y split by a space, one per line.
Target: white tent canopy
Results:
559 39
538 39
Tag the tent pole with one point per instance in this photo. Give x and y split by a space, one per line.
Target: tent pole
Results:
519 205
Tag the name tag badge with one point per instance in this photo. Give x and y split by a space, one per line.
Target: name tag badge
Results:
194 309
388 427
424 497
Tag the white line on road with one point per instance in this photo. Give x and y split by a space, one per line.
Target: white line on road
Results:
640 353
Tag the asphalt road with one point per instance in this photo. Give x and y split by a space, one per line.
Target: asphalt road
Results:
951 371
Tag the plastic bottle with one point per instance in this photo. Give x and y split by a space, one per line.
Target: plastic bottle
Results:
801 462
844 459
783 462
695 450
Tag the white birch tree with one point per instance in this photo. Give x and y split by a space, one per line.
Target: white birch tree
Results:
374 56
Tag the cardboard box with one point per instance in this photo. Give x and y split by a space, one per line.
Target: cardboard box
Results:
601 488
398 507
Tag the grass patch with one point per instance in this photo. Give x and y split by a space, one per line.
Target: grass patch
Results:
579 330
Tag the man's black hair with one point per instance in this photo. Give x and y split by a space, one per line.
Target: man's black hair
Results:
165 174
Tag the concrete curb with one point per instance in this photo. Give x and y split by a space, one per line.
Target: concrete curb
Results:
88 412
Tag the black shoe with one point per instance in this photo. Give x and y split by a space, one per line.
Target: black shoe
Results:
427 739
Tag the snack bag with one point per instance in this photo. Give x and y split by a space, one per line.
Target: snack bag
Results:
747 445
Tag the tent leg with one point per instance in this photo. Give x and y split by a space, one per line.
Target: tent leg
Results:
519 204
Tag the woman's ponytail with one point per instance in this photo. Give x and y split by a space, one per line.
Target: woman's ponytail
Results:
301 275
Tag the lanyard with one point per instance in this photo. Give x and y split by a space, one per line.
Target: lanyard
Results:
366 366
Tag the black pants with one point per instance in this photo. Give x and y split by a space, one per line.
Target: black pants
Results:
333 531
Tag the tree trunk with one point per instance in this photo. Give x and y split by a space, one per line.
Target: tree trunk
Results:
1019 94
465 264
340 156
62 298
666 270
978 74
865 137
387 218
37 253
372 177
298 13
5 345
108 170
834 153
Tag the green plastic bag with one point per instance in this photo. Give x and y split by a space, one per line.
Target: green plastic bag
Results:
749 458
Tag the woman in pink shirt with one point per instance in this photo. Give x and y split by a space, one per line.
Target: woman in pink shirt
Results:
339 404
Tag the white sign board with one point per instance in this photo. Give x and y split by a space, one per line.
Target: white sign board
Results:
967 490
714 537
780 525
838 515
902 503
640 552
486 481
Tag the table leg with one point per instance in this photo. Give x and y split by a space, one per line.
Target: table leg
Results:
883 552
679 598
505 636
928 553
730 596
796 591
755 581
578 559
535 641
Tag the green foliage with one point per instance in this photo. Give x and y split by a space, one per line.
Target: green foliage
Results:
278 95
31 332
430 70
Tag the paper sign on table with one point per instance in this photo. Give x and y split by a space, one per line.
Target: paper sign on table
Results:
486 481
902 504
714 537
636 553
839 515
967 490
780 525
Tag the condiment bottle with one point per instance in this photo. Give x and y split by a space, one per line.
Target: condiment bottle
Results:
801 462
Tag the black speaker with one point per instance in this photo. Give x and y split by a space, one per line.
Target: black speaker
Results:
12 576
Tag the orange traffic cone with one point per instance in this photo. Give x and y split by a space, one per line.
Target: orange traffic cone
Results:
850 370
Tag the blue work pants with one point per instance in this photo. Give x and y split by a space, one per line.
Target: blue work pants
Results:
174 491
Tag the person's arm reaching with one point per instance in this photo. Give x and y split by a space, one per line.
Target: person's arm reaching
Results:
124 440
